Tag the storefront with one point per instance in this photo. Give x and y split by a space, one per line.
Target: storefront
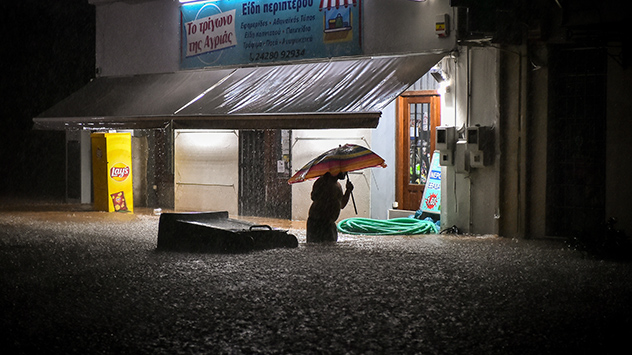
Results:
225 99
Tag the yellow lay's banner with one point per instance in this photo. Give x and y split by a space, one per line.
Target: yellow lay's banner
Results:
112 172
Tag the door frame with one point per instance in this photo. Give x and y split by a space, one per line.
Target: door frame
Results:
402 145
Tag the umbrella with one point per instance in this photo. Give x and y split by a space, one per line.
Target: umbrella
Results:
349 157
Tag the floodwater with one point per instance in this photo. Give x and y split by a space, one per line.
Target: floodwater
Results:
79 281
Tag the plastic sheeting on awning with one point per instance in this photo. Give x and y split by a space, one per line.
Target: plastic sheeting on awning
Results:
334 94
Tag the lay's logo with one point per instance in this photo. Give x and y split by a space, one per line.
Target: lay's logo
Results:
119 172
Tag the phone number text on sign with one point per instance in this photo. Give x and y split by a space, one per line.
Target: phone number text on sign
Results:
211 33
273 55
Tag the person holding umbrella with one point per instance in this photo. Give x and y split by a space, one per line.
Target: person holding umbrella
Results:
327 201
327 196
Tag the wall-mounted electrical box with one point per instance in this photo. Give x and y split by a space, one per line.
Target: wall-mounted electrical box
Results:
445 143
480 145
442 25
461 158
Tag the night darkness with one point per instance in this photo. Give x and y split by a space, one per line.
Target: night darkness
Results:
48 53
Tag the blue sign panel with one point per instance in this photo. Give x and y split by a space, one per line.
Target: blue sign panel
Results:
431 201
229 32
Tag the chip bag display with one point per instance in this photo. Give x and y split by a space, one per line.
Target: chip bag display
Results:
112 172
118 200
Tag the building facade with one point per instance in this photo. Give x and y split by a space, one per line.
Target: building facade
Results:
532 109
201 155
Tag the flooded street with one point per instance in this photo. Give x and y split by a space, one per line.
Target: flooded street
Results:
78 281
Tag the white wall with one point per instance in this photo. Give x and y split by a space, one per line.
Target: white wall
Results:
306 145
383 179
470 200
455 198
207 170
85 163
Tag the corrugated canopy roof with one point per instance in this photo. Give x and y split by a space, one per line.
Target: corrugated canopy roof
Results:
333 94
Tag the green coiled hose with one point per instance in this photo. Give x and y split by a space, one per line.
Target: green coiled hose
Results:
395 226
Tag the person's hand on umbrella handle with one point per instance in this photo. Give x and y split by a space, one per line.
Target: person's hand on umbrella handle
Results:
349 185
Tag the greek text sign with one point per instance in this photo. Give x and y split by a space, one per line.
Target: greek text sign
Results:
211 33
249 32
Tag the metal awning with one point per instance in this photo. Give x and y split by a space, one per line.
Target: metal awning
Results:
334 94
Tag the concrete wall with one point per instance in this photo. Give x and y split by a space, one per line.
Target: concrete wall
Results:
536 126
402 26
470 199
619 145
512 136
137 37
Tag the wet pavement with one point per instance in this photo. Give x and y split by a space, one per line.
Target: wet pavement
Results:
79 281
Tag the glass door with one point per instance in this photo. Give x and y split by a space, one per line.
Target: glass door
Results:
419 147
418 115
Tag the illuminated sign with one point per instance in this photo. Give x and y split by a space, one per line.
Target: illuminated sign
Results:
227 32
